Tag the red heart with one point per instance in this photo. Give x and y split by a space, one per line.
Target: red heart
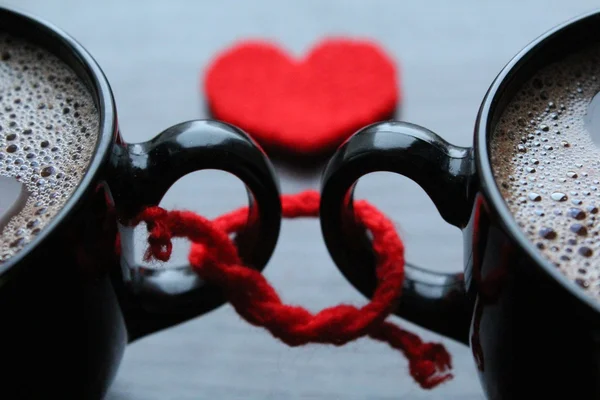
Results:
305 106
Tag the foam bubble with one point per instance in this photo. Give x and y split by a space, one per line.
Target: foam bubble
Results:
48 126
548 167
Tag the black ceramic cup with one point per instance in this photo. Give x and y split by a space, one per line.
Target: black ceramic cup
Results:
71 300
533 333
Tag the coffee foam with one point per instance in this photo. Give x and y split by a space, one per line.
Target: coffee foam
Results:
48 131
548 168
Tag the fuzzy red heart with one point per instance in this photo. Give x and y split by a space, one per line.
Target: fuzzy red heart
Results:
305 106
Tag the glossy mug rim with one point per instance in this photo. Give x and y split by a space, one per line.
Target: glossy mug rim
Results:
489 186
104 101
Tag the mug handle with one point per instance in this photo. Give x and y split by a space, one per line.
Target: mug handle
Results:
142 173
434 300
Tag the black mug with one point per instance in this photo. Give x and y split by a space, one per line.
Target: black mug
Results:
71 300
534 334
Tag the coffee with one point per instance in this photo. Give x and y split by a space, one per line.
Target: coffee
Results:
547 165
48 131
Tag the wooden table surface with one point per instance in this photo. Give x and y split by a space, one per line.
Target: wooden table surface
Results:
153 53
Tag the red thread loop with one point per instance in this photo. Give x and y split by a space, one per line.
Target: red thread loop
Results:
214 258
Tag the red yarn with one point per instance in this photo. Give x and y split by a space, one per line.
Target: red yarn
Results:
214 257
305 106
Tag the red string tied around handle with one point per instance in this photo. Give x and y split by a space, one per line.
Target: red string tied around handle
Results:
215 259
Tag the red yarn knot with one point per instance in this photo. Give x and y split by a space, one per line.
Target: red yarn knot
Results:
215 259
159 238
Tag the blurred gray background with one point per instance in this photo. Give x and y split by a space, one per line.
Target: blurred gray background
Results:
154 53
